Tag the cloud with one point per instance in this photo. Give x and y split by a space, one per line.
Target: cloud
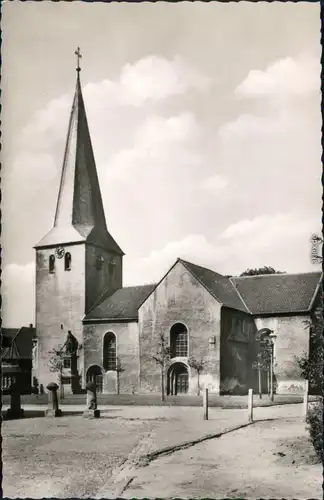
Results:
17 291
157 78
152 267
214 183
156 141
285 77
270 239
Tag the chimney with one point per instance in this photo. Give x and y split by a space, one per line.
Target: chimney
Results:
30 325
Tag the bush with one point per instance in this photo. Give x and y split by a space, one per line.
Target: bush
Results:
315 428
232 386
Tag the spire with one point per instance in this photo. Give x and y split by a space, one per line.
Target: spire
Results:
79 212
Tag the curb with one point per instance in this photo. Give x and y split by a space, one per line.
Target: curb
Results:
144 460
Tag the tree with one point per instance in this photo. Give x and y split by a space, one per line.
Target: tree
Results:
311 365
261 270
162 357
119 370
262 364
56 365
198 365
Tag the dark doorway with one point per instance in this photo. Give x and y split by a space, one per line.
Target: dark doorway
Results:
178 379
94 374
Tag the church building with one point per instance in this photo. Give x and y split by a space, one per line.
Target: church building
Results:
112 334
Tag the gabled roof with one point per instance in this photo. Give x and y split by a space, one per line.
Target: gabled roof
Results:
278 293
122 304
19 343
220 287
79 213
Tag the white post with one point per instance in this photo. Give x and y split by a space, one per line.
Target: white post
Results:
305 402
250 405
205 404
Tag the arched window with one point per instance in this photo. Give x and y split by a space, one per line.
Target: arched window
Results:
179 341
67 261
109 352
52 263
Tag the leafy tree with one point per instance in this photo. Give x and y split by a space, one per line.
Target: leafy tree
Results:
162 357
261 270
198 365
311 364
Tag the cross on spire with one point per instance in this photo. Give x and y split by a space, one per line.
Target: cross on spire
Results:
79 56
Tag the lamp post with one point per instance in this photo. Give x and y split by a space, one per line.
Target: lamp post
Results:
266 338
272 338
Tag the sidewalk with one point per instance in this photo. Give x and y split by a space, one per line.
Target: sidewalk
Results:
269 459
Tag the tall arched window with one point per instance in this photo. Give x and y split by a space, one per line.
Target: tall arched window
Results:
109 352
67 261
51 263
179 341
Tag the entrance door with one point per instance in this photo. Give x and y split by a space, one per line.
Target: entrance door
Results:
178 379
182 383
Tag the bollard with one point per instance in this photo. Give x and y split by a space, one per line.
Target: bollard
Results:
250 405
305 400
15 410
91 411
205 403
53 408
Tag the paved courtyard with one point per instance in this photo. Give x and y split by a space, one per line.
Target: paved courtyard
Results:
76 457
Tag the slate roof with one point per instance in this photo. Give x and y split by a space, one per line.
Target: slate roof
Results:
122 304
278 293
220 287
256 295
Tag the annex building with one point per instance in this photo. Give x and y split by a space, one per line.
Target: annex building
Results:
111 333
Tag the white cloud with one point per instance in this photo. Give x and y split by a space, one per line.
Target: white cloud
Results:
157 141
17 291
154 266
214 183
285 77
157 78
265 240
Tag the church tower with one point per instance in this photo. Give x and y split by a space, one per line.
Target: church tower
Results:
78 260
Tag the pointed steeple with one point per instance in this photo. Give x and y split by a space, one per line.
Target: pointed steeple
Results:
79 212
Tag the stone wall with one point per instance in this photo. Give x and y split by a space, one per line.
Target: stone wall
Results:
180 298
292 340
127 351
99 280
60 300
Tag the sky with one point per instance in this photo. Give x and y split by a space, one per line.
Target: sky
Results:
205 122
